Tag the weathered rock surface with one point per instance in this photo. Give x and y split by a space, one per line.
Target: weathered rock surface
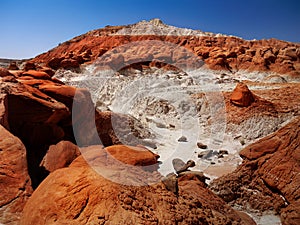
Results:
15 182
86 197
269 176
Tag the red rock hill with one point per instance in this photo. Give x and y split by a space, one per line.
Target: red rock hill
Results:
217 51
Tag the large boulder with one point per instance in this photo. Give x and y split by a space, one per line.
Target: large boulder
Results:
271 170
15 182
106 191
242 96
136 156
59 156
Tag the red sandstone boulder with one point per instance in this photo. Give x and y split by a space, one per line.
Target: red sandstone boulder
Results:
54 63
15 182
69 63
29 66
36 74
136 156
47 70
242 96
59 156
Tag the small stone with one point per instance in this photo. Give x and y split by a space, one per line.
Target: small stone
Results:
190 163
201 145
242 141
182 139
205 154
220 156
160 125
223 152
171 125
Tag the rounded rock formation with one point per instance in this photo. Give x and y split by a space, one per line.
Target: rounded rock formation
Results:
242 96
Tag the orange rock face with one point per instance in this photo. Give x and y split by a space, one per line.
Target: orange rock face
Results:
86 197
15 182
271 170
242 96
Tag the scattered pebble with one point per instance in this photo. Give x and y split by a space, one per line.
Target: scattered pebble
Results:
160 125
171 125
201 145
182 139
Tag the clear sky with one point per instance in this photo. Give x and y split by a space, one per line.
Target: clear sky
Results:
31 27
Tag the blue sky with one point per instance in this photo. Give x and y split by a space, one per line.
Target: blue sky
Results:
31 27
